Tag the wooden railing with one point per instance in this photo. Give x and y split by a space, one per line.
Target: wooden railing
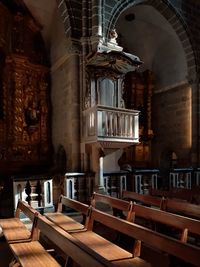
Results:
79 185
37 191
181 178
115 183
104 123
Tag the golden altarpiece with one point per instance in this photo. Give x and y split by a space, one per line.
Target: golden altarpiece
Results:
25 130
24 111
25 135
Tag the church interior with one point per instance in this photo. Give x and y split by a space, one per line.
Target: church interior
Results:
100 104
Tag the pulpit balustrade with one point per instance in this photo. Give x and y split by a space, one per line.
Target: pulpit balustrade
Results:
111 124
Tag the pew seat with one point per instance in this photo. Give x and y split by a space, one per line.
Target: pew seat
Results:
98 243
32 254
115 254
66 222
14 229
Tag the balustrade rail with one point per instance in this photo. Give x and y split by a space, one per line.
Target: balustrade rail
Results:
79 186
111 124
37 191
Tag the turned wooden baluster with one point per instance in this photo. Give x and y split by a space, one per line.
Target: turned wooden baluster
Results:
39 191
28 192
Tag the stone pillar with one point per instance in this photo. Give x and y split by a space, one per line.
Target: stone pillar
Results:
97 167
194 82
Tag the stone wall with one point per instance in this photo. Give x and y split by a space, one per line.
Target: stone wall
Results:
172 125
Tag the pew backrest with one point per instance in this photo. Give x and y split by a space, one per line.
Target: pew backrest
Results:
70 246
26 209
181 207
14 229
73 204
145 199
117 205
159 241
177 193
184 224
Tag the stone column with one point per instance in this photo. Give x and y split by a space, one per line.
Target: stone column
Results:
97 166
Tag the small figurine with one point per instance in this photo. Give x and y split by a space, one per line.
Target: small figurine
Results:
113 36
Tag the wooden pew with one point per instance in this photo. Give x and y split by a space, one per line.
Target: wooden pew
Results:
186 252
144 199
119 206
107 249
24 243
31 252
177 193
171 205
63 220
71 247
152 217
183 224
69 224
181 207
14 229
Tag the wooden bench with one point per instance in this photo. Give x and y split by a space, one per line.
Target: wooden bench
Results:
152 217
119 206
181 207
71 247
63 220
186 252
177 193
31 252
144 199
14 229
171 205
112 252
24 242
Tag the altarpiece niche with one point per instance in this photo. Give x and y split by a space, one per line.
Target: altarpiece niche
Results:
138 89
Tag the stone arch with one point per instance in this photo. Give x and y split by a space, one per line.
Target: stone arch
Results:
171 15
65 17
71 12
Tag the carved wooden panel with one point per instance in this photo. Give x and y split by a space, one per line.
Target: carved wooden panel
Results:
27 107
137 95
5 24
25 133
27 40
